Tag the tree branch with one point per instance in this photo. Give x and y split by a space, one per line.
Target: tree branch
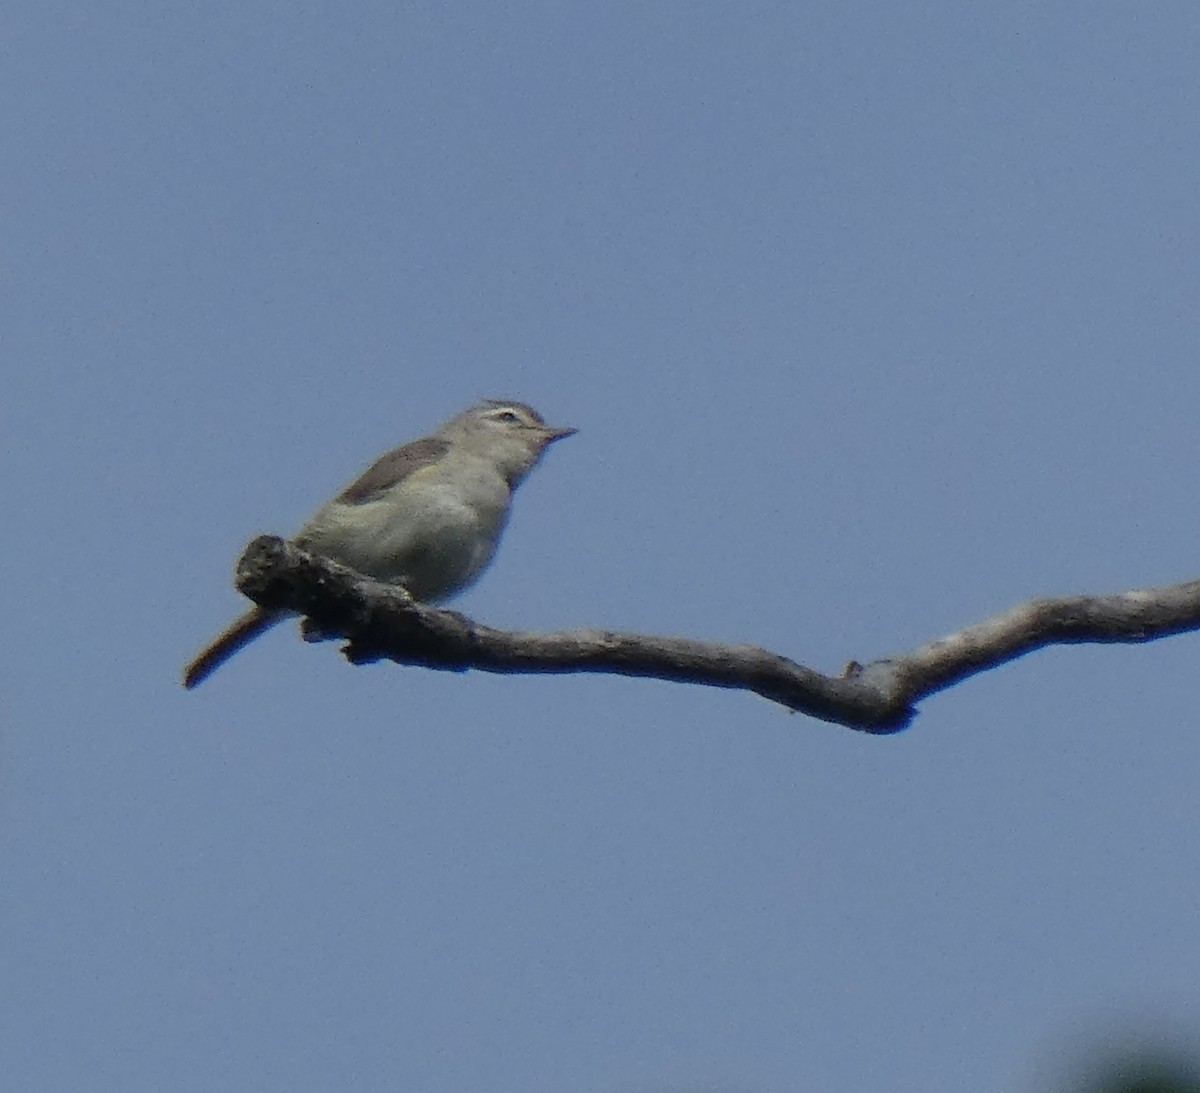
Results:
381 621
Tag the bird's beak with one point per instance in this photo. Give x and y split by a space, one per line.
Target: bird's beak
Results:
553 433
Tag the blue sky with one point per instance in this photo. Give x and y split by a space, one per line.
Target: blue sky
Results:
875 319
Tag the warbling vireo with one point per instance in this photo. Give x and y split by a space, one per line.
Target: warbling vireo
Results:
427 515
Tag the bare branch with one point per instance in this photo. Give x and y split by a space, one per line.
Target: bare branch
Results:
381 621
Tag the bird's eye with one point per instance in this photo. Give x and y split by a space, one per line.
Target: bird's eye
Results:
509 416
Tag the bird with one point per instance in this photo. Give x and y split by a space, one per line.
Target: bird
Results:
427 516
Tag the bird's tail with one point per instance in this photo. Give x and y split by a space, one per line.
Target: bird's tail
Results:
241 631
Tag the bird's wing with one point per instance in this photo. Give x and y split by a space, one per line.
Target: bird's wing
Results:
392 468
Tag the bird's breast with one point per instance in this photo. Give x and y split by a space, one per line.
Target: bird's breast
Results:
433 533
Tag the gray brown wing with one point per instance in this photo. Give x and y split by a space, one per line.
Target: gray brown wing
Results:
392 468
